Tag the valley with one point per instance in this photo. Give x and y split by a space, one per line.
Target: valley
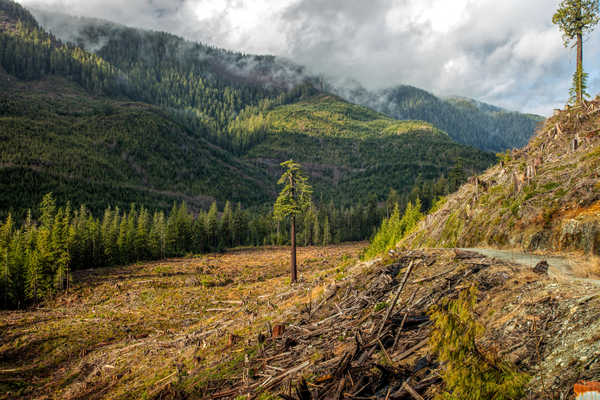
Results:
183 221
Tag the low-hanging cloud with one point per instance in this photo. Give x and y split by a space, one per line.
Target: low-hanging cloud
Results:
506 53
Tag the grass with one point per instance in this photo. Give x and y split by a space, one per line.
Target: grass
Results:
146 330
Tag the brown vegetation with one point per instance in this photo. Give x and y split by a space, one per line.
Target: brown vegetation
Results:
144 331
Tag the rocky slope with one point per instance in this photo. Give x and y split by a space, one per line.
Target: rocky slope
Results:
543 197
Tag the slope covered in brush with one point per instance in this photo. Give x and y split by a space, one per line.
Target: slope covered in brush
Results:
545 196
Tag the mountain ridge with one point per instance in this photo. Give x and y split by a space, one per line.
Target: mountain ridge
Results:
244 127
494 133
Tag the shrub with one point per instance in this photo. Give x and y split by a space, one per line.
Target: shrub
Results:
393 229
469 374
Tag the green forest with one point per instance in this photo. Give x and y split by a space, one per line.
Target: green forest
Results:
38 255
465 120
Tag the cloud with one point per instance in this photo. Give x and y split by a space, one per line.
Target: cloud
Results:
503 52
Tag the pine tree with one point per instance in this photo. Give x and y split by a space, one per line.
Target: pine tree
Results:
326 232
293 200
576 18
226 224
6 233
316 230
212 226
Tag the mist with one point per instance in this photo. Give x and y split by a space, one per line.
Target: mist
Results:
506 53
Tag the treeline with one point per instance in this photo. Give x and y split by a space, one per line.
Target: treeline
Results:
38 255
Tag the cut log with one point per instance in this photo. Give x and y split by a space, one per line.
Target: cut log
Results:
396 296
278 331
541 267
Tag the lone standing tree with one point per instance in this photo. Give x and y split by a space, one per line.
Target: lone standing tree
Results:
575 18
294 199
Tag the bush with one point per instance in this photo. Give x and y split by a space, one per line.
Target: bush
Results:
393 229
468 373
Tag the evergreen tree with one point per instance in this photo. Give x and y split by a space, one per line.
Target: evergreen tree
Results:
316 230
226 225
575 18
6 233
293 200
212 226
326 232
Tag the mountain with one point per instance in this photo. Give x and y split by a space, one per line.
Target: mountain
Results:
151 118
467 121
543 197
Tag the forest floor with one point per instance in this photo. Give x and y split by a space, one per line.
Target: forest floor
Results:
143 330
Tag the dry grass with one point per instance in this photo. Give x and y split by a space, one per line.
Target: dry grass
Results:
141 330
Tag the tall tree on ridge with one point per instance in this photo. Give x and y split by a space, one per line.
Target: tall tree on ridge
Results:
575 18
294 200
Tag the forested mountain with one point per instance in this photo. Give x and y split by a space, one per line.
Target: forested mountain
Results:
150 118
467 121
162 57
353 152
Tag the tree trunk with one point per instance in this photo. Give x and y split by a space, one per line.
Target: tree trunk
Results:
579 68
294 272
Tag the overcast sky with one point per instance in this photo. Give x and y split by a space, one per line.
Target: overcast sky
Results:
504 52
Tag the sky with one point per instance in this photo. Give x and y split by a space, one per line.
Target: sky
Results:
506 53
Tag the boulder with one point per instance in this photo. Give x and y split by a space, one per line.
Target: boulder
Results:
541 267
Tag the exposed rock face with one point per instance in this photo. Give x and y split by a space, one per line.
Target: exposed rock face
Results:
580 234
543 197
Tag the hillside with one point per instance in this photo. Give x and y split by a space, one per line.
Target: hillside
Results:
467 121
152 118
227 326
341 146
98 151
543 197
485 127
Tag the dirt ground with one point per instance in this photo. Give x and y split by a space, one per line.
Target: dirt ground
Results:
136 331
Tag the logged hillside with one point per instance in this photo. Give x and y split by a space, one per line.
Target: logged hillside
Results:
545 196
98 151
467 121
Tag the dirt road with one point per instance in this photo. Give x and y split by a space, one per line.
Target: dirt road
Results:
560 267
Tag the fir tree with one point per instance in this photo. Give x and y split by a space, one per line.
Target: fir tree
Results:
576 18
326 232
293 200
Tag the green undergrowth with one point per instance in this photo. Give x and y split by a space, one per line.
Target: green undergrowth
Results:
468 372
393 229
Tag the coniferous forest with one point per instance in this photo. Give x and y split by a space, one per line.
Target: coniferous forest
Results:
38 254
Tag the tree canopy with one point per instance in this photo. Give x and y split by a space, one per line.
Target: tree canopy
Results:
295 197
576 18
